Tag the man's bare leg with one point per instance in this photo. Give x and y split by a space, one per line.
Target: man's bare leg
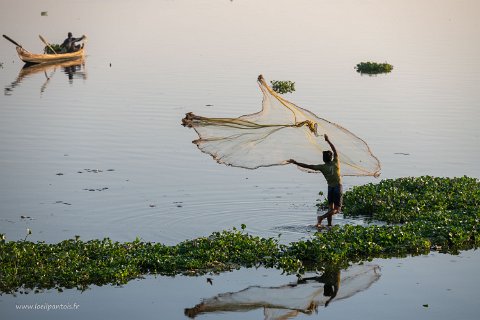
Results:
329 214
329 219
331 208
319 221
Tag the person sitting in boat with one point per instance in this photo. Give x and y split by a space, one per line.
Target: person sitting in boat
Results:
69 44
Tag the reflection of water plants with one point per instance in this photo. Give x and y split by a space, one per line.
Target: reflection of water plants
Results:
437 213
373 67
283 86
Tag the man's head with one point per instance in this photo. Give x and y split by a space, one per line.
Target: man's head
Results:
327 156
69 34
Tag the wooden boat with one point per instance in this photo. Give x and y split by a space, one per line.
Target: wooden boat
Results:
29 57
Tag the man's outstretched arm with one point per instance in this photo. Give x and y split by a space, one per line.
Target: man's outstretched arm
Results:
304 165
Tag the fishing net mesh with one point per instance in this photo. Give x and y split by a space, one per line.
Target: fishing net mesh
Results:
280 131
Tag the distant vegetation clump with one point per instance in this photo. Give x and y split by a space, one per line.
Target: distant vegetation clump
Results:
373 67
283 86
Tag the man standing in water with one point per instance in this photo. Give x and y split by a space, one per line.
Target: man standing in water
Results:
331 172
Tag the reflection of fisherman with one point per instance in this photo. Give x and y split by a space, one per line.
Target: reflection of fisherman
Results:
331 279
71 70
69 44
278 302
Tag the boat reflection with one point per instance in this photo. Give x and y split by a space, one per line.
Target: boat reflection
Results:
73 69
289 300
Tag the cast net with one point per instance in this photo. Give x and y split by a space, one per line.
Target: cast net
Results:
280 131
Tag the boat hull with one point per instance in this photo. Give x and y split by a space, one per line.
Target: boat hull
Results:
28 57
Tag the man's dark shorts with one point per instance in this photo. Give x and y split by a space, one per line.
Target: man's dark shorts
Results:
335 195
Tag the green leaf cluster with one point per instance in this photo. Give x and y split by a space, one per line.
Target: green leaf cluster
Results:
345 244
54 46
75 263
283 87
404 199
373 67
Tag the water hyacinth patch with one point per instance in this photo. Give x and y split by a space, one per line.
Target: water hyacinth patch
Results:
77 264
404 199
421 214
373 68
283 87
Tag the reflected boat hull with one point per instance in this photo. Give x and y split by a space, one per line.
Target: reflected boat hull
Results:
33 68
72 68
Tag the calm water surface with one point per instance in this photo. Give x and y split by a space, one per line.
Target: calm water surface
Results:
97 150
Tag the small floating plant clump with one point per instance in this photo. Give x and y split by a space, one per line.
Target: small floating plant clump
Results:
283 87
421 214
373 68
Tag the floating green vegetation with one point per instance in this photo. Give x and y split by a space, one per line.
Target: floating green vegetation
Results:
418 214
407 199
283 86
373 67
53 46
75 263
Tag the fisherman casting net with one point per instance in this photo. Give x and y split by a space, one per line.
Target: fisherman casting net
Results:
279 132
